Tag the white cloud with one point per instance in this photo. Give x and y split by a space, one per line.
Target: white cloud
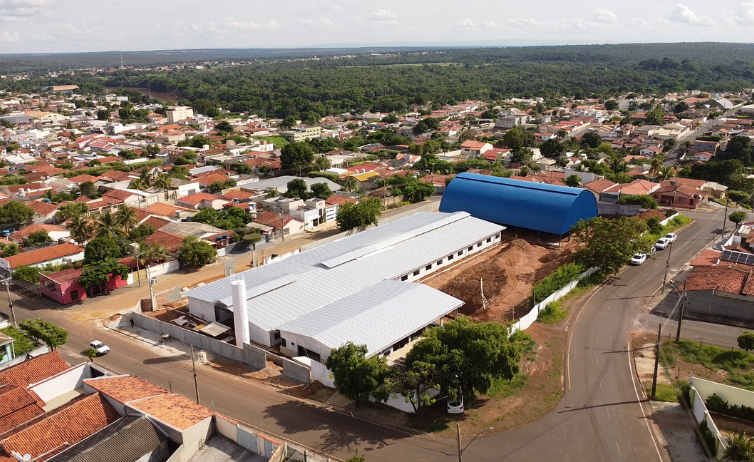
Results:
382 15
490 25
521 22
682 13
6 36
745 13
336 7
601 15
321 23
466 23
272 24
20 10
24 3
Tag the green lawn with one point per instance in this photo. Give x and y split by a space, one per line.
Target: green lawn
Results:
739 365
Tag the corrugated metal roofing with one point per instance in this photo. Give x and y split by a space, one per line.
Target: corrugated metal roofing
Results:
317 286
371 314
263 288
542 207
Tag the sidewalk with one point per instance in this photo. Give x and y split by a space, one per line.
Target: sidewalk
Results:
678 434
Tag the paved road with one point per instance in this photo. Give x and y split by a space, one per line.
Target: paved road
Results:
600 418
713 334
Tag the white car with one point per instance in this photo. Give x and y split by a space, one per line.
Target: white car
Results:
99 347
455 407
662 243
638 259
671 237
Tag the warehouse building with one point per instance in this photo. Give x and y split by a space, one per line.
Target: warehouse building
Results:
536 206
357 289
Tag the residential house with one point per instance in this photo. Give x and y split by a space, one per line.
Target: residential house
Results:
44 212
471 148
288 224
599 186
55 232
634 188
511 117
170 211
201 200
171 242
53 255
721 293
314 212
679 195
64 287
709 147
177 113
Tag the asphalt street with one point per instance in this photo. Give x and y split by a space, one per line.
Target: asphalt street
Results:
600 418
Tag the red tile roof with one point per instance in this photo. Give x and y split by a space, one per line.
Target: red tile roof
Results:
174 410
599 186
195 199
209 179
44 254
165 210
65 275
237 194
156 222
708 257
18 235
34 370
125 388
726 279
172 242
83 178
17 406
272 219
340 200
118 194
42 208
57 431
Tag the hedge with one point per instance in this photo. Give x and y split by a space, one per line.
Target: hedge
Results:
329 175
556 281
716 404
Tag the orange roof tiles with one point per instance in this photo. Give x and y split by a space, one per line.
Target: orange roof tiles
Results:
42 208
599 186
195 199
172 242
17 406
43 255
25 232
237 194
125 388
708 257
57 431
339 200
175 410
726 279
83 178
34 370
165 210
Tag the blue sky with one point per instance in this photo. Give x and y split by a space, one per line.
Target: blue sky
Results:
44 26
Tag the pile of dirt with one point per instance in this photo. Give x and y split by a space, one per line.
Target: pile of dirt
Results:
467 287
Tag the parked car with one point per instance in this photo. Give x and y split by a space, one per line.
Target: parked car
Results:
99 347
638 259
457 406
662 243
671 236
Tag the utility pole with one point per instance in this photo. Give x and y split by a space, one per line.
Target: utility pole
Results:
680 315
458 437
657 361
667 267
282 225
725 217
151 291
196 385
10 304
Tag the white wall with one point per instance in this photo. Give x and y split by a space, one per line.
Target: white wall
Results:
319 372
164 268
226 429
202 308
60 261
62 383
732 395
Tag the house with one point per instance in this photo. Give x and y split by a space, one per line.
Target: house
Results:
634 188
176 113
201 200
703 156
650 151
170 211
679 195
314 212
55 232
64 287
511 117
471 148
288 224
53 255
171 242
721 293
709 147
599 186
44 212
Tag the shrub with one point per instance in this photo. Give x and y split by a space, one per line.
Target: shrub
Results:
654 225
645 201
329 175
27 273
707 437
739 196
22 343
717 404
52 335
552 314
557 280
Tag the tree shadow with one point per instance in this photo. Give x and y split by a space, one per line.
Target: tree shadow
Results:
163 360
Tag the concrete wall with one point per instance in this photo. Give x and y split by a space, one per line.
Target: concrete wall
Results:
319 372
194 438
61 383
164 268
226 428
701 414
618 209
296 371
732 395
19 359
705 304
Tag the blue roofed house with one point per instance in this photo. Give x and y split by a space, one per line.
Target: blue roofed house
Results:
535 206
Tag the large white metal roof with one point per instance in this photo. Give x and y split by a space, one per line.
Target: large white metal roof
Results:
396 248
372 315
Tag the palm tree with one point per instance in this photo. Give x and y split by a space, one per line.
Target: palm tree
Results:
350 184
126 217
164 182
145 177
81 229
107 226
658 161
664 173
152 252
138 184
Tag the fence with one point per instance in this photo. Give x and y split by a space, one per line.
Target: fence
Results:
626 210
251 355
667 220
524 322
701 414
733 395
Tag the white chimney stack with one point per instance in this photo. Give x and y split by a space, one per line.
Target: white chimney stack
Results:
240 316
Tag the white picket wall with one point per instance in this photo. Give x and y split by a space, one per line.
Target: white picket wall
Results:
526 321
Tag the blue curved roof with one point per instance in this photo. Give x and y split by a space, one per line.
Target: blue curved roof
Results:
542 207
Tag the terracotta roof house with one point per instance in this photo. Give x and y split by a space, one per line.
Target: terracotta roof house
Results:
17 406
679 195
599 186
171 242
33 370
200 200
175 410
708 257
54 231
43 211
166 210
271 219
340 200
78 179
124 388
634 188
61 253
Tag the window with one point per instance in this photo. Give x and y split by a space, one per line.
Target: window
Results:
74 295
470 248
282 342
450 257
416 273
497 236
489 239
460 253
439 262
428 268
681 199
404 277
478 244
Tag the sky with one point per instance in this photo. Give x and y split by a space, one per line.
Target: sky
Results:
53 26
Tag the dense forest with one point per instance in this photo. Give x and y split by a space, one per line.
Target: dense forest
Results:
301 86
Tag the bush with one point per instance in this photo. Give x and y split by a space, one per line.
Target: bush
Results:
329 175
552 314
52 335
708 438
684 392
27 273
654 225
716 404
22 343
739 196
557 280
645 201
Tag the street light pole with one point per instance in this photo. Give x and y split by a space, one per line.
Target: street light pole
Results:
667 267
458 437
725 217
10 304
657 361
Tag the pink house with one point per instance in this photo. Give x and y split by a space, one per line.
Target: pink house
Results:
64 287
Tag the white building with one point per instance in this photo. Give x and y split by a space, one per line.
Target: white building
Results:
177 113
359 286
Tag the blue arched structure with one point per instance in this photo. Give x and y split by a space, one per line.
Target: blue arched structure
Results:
536 206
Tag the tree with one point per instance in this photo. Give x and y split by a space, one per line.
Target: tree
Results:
610 243
522 156
103 114
252 238
71 209
414 384
242 169
573 181
126 217
655 117
195 252
52 335
737 217
551 148
38 238
297 189
456 350
611 105
657 163
591 140
746 341
740 448
97 274
101 249
289 122
681 107
9 249
356 376
27 273
644 200
88 189
349 184
15 213
91 353
297 156
224 126
517 138
426 125
81 229
654 225
321 190
141 232
356 458
216 186
359 215
108 226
